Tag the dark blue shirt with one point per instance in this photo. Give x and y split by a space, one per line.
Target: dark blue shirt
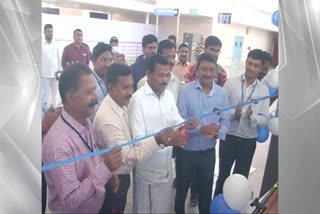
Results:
138 70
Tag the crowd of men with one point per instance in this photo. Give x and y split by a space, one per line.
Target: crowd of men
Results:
113 103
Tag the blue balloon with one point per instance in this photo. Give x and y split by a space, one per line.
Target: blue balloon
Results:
275 18
272 91
219 205
263 134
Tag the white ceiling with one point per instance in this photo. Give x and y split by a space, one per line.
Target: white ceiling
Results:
268 6
242 10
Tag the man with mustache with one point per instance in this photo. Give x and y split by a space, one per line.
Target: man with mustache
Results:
112 126
212 46
77 187
197 158
181 67
153 108
240 143
167 49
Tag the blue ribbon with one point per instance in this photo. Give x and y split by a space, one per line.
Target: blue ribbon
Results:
135 141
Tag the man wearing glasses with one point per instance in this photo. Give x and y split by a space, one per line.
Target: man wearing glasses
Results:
101 59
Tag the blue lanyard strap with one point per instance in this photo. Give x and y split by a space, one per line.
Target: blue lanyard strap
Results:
242 96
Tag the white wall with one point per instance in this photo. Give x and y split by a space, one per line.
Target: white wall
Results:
188 24
167 26
97 30
191 24
129 16
253 37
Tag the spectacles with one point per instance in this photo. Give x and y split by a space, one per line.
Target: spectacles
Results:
205 69
108 60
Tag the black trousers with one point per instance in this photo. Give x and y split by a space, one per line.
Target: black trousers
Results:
201 164
234 149
116 201
194 189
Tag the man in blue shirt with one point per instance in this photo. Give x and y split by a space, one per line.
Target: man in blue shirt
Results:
200 97
149 47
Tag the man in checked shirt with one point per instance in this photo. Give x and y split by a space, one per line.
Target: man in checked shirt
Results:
77 187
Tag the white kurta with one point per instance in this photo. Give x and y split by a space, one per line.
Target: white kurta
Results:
153 176
50 65
174 85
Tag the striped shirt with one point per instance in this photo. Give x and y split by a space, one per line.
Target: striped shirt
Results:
77 187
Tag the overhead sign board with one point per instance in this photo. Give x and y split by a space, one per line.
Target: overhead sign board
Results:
224 18
166 12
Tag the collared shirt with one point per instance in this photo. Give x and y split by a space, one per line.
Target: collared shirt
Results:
112 126
101 91
194 102
238 89
76 187
174 85
50 59
72 54
220 78
180 70
149 114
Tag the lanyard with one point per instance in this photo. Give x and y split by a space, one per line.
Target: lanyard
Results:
242 96
99 82
83 140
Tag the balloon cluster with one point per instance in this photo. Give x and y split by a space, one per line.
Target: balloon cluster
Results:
272 81
263 134
274 125
235 198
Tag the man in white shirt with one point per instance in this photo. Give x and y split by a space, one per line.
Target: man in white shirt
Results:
240 143
112 126
50 65
167 49
151 109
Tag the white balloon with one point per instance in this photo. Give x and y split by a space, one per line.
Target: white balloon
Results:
236 191
274 126
272 78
